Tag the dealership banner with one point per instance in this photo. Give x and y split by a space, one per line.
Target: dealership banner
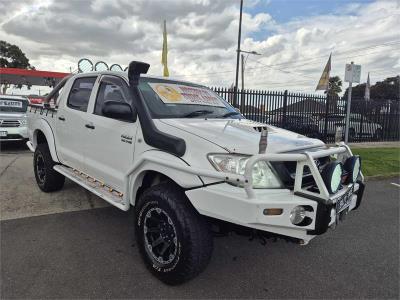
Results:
183 94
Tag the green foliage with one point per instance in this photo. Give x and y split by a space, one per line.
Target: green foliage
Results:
11 56
335 86
379 161
387 89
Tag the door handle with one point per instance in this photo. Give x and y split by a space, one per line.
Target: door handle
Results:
90 126
61 118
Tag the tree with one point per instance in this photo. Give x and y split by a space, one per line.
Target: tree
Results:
387 89
11 56
335 86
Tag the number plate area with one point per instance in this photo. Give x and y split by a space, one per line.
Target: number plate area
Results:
3 133
344 201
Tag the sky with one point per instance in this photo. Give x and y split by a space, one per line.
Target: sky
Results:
294 37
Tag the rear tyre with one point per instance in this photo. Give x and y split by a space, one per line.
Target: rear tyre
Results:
47 178
173 238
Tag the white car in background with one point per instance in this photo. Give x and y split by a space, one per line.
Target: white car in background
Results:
358 128
13 121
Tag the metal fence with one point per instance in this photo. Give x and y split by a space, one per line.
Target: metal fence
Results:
319 115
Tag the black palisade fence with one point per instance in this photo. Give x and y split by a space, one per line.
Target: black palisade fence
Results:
319 116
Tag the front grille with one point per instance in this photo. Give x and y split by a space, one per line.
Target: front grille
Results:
10 123
287 172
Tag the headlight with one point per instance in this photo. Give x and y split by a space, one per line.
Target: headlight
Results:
263 176
352 165
332 176
24 121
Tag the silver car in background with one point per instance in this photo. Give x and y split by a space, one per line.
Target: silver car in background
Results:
13 121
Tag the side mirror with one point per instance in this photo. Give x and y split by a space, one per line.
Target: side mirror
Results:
119 110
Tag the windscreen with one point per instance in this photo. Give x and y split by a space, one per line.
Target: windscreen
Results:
13 105
174 99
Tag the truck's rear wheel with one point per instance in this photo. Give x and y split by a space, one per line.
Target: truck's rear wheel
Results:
174 239
47 178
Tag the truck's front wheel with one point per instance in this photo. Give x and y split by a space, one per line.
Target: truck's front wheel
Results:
173 238
47 178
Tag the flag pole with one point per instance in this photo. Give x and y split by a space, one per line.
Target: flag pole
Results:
235 99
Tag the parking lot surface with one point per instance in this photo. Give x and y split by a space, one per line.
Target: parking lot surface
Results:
21 197
72 251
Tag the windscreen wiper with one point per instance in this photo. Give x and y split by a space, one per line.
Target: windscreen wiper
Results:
231 113
197 113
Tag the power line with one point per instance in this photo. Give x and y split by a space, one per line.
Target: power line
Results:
335 53
308 61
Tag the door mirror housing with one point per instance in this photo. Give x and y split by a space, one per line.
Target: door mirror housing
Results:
119 110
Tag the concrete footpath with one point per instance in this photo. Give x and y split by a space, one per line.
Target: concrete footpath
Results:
375 145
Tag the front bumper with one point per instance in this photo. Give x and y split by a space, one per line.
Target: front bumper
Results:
226 202
15 133
245 206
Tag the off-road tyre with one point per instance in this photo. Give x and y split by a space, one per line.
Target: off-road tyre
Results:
189 255
47 178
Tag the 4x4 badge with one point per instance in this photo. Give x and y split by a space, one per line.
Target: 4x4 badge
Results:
126 138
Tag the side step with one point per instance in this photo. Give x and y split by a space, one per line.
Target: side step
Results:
96 187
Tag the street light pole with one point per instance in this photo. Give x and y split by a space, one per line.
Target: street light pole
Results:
235 99
244 60
243 71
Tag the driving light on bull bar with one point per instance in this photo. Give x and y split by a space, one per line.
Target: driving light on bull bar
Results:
352 166
332 176
263 176
297 215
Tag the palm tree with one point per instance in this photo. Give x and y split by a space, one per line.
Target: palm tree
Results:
335 87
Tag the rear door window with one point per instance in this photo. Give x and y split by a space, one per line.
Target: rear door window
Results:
80 93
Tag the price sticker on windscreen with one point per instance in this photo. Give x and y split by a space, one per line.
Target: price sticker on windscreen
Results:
183 94
10 103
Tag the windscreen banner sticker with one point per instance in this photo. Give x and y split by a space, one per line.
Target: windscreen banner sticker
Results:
184 94
10 103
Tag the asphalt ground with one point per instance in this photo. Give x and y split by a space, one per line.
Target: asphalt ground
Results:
91 253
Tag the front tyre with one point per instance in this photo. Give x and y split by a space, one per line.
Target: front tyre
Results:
173 238
47 178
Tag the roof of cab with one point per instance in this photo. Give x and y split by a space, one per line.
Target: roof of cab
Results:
125 75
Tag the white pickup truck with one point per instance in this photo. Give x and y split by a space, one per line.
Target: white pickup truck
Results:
185 159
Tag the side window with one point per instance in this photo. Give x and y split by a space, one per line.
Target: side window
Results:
111 89
80 93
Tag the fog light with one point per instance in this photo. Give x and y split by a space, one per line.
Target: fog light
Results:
297 215
352 166
332 176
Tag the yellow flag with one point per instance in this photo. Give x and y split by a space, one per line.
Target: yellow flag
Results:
164 59
323 83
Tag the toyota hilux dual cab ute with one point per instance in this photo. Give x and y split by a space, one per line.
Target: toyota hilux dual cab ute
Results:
13 121
187 162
